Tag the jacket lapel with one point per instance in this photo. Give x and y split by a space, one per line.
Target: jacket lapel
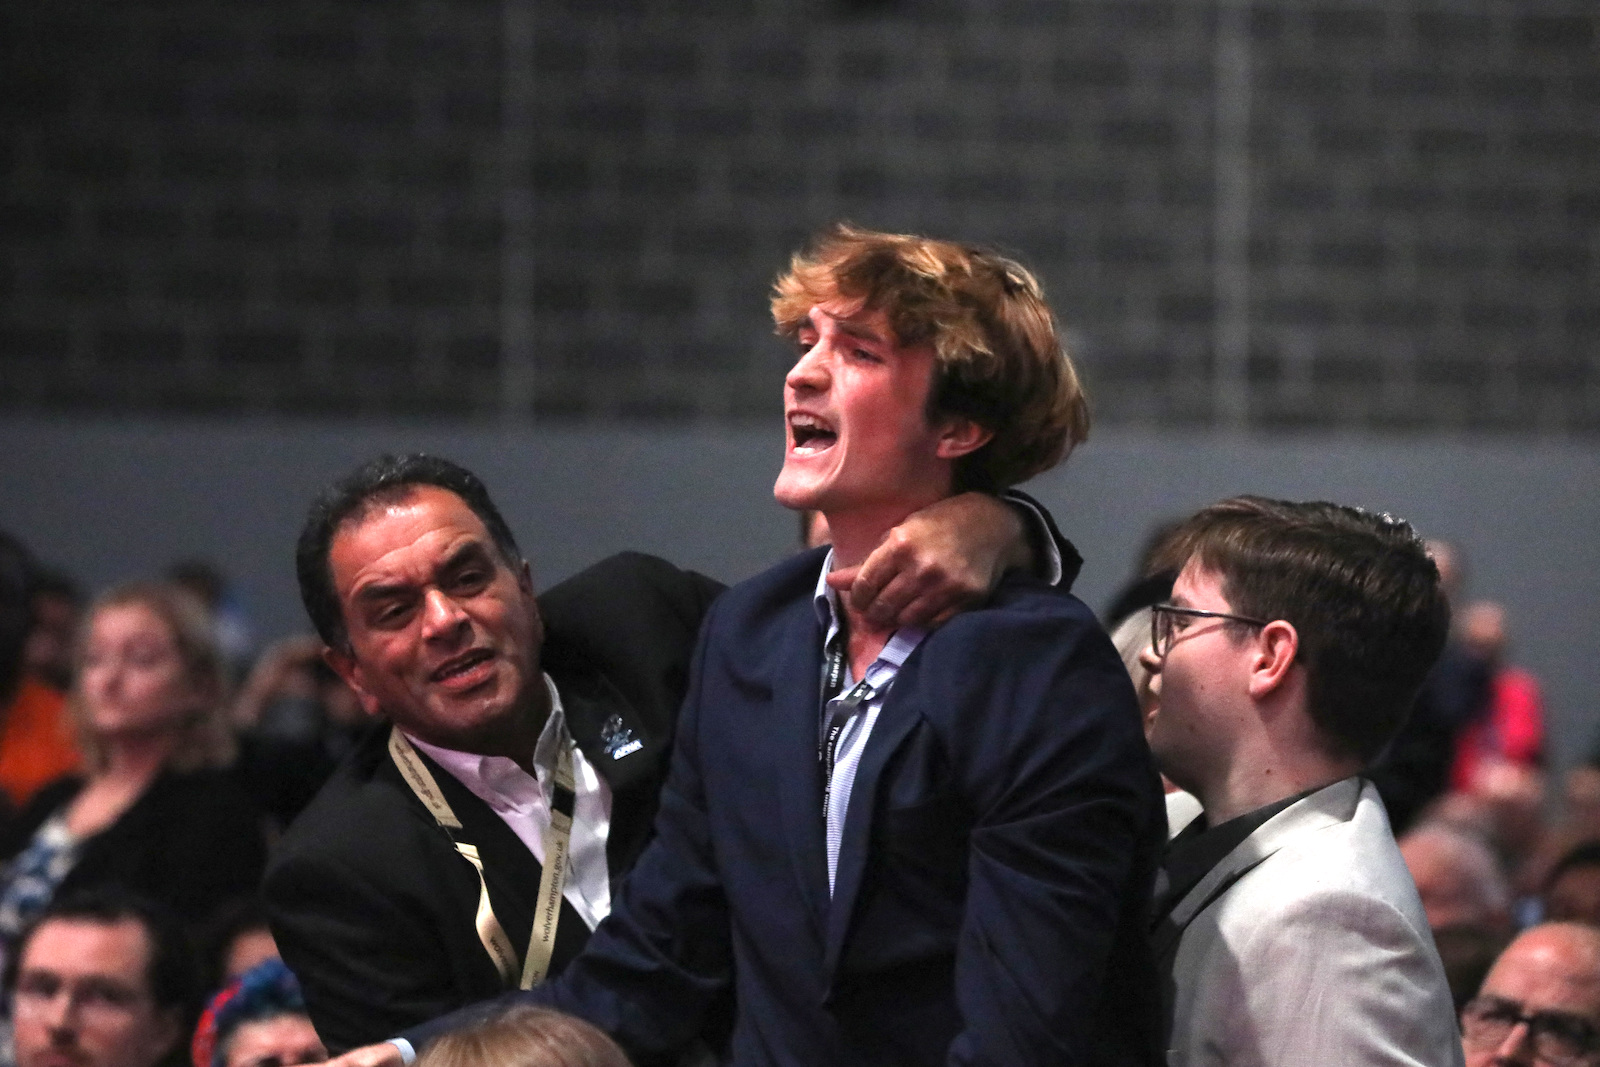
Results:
797 706
1335 803
611 734
619 745
895 721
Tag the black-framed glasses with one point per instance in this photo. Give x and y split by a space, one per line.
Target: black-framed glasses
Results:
1164 623
1559 1038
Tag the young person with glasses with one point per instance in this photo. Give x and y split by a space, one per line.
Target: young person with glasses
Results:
1294 642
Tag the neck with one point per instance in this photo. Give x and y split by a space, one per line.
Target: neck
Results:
520 735
1265 774
856 532
138 758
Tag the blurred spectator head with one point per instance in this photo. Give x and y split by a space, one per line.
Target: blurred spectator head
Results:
527 1037
258 1020
230 627
1359 590
56 607
16 589
148 663
1481 628
1458 878
102 979
1572 889
236 939
1452 566
998 359
1132 637
385 480
1540 1003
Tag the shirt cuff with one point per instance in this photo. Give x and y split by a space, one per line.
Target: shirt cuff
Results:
408 1055
1038 534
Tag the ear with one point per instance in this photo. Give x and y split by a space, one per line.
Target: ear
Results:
525 578
345 666
960 437
1276 647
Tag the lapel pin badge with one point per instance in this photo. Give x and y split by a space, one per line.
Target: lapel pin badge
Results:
617 740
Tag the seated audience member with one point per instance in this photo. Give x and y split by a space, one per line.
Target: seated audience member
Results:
527 1036
36 744
235 940
56 606
1414 768
296 719
1572 889
259 1020
1296 638
1457 877
154 812
1540 1003
1510 726
1466 898
103 979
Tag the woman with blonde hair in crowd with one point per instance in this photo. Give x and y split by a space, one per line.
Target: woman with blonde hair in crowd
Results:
154 811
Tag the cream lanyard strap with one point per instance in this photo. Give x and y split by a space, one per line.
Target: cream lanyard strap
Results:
552 881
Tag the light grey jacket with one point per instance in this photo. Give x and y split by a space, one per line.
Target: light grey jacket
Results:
1307 945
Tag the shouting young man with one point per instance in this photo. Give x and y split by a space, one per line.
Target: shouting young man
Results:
897 846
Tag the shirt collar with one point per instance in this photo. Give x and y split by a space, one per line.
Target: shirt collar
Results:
830 613
495 775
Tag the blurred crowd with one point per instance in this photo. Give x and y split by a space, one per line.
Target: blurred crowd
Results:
149 756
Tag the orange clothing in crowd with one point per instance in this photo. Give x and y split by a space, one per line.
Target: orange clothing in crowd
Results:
36 742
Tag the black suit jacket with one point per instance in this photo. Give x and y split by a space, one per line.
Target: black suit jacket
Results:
372 907
994 876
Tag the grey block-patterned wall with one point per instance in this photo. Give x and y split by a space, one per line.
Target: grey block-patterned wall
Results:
1295 213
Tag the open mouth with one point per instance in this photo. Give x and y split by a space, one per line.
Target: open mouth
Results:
810 434
462 665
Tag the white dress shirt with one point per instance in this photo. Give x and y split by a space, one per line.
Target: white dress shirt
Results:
523 803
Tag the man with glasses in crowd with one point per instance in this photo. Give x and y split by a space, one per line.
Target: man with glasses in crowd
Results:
1295 641
103 979
1540 1002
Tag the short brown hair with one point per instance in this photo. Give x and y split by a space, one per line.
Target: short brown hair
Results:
998 359
207 737
528 1036
1359 589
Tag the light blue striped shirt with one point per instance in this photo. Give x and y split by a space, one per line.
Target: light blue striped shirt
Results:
858 727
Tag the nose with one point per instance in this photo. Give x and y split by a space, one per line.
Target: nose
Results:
810 372
441 616
1151 661
1516 1050
58 1012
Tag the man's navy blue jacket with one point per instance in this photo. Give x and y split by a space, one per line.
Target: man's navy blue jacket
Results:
994 878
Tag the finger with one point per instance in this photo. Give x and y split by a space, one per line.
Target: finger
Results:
877 571
928 612
888 607
843 578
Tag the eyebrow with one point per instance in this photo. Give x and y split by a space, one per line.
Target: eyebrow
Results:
380 590
845 325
